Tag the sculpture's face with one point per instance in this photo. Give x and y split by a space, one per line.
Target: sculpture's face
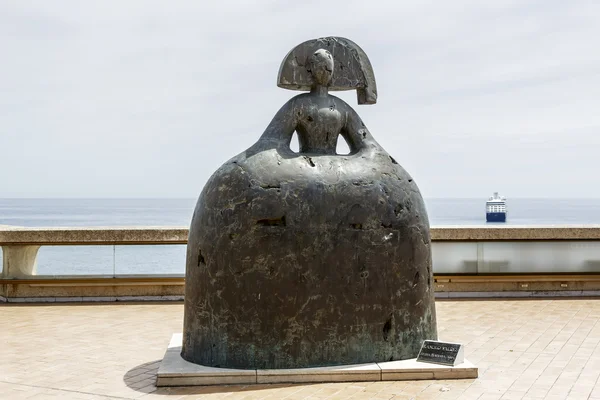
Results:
321 67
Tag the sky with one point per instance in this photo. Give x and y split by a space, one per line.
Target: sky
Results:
144 98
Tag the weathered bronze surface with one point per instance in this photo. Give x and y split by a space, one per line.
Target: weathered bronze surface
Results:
311 258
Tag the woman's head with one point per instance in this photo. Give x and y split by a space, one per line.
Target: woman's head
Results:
321 67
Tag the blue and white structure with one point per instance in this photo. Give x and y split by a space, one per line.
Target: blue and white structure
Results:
495 209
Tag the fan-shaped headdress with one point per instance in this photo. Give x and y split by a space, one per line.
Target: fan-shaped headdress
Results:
352 68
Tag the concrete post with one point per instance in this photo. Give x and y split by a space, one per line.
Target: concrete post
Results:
481 265
19 261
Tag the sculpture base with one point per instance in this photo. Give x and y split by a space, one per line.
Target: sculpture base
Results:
175 371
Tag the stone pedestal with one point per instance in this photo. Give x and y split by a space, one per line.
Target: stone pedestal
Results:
175 371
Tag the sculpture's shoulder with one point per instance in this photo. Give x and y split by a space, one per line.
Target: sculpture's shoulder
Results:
301 98
309 98
341 104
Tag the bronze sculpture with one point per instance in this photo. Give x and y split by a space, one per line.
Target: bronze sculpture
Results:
311 258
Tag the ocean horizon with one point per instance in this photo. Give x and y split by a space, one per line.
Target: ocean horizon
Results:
170 259
48 212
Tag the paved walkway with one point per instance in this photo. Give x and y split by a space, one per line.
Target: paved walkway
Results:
534 349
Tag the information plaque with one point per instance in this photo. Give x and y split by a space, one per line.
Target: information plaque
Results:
444 353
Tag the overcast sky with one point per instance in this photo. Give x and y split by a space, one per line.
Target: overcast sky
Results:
148 98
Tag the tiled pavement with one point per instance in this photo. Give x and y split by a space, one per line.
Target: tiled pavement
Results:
529 349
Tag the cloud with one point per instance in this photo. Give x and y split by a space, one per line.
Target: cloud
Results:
147 98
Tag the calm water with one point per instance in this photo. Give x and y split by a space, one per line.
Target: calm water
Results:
129 260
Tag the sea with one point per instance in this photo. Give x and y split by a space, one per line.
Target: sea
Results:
169 260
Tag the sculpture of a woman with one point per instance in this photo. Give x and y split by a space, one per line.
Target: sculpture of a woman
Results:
311 258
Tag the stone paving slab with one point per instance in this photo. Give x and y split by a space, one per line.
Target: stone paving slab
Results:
524 349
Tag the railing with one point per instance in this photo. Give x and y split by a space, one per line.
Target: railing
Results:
516 250
20 246
91 257
456 250
498 258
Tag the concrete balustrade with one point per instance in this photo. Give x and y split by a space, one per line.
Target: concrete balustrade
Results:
456 249
20 245
465 259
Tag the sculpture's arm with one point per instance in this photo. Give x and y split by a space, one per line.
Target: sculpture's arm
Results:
356 133
279 132
282 127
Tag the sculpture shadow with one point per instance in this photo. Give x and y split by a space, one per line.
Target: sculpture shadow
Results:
142 378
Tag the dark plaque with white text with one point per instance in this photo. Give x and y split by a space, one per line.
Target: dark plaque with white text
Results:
441 353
